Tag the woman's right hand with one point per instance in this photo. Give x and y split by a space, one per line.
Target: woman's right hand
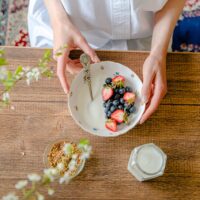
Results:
66 38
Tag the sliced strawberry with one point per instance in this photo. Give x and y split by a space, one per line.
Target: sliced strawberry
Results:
111 125
129 97
118 116
107 92
118 81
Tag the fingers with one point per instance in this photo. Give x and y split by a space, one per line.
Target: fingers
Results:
82 43
61 66
159 92
148 77
74 66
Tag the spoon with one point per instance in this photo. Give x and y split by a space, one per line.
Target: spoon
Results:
85 61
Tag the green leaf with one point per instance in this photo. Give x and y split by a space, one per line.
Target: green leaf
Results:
9 75
84 142
8 84
18 70
3 61
47 54
58 54
47 73
2 52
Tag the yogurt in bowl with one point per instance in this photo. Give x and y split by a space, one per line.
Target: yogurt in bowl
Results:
88 114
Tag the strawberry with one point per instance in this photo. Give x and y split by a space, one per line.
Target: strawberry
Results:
107 92
118 81
118 116
111 125
129 97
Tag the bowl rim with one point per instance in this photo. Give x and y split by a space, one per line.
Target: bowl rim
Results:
113 134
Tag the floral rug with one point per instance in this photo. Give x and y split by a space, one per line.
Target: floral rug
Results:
13 22
14 32
186 35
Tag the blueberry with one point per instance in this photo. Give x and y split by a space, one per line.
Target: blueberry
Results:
122 90
113 108
108 114
116 90
104 104
128 89
106 110
127 108
132 109
121 101
116 102
108 80
126 105
117 96
127 112
120 107
108 104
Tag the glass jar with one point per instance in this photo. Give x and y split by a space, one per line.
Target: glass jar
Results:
47 151
146 162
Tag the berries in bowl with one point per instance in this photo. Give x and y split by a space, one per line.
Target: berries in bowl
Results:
118 102
116 107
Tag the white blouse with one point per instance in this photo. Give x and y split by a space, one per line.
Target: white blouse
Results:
106 24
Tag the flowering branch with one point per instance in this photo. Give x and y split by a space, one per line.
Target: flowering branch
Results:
9 79
74 156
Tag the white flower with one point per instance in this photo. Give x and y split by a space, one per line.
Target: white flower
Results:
72 165
29 78
3 73
36 73
25 69
33 74
86 151
21 184
50 191
51 173
40 197
85 156
6 96
10 196
65 178
34 177
67 149
60 166
74 156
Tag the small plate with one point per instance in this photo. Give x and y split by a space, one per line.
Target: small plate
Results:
89 115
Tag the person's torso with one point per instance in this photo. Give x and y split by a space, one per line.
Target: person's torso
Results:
102 21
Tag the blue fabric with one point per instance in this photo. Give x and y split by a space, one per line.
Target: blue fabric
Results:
186 35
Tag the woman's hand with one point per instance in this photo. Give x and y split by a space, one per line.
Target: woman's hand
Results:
154 84
154 69
66 38
68 35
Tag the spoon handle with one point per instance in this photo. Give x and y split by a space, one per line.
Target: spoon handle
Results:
85 61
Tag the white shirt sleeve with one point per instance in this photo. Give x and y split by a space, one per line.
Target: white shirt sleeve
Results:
149 5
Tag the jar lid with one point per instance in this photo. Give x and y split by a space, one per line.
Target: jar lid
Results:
149 159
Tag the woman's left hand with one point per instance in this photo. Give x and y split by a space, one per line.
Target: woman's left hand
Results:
154 84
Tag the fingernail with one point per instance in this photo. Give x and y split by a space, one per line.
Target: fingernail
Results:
144 99
66 91
96 59
141 122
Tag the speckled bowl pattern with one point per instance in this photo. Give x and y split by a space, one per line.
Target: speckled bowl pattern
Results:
99 72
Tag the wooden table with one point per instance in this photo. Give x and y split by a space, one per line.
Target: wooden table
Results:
41 116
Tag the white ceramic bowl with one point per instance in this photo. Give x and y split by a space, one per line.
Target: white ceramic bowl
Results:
90 115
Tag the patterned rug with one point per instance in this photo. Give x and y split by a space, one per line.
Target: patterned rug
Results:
14 32
13 22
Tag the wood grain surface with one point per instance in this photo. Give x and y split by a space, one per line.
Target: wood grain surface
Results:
41 116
